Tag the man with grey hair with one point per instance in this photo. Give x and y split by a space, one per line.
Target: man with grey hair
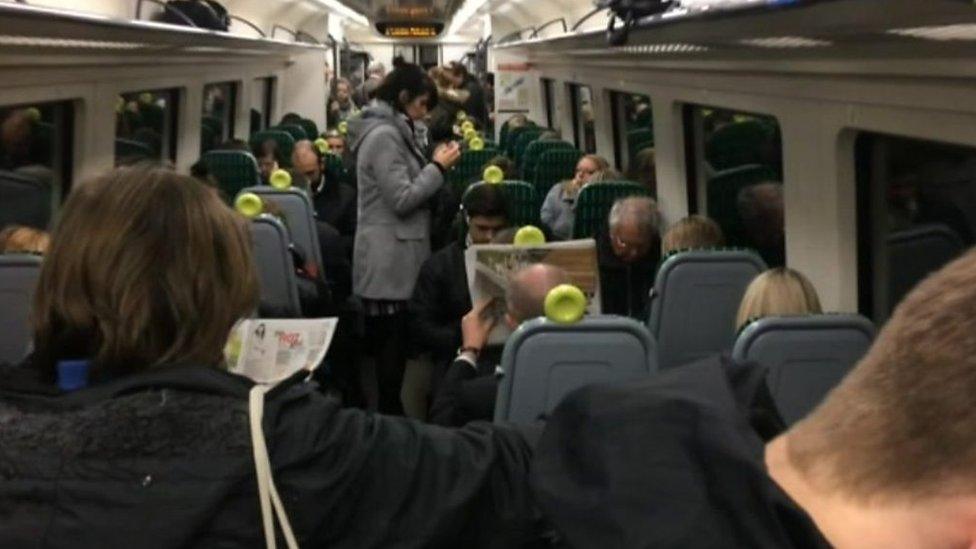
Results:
374 77
627 254
467 392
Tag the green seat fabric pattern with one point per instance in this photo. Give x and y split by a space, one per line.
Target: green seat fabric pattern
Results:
234 170
723 193
594 203
286 143
554 166
523 204
469 169
534 151
524 139
311 129
295 131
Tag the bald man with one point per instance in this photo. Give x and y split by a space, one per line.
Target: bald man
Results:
467 392
334 201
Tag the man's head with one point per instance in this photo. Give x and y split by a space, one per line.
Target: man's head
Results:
336 141
486 210
761 209
308 161
633 226
889 458
343 91
527 291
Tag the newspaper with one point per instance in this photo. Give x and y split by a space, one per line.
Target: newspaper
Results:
270 350
490 266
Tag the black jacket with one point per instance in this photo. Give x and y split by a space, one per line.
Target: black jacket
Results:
440 298
475 106
467 393
335 204
163 459
673 461
624 287
335 263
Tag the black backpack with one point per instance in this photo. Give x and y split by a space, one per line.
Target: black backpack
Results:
203 14
629 11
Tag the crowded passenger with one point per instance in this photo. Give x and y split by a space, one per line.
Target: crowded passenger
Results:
440 298
336 141
474 95
17 239
643 169
374 77
396 183
342 107
508 168
268 157
334 201
760 208
467 392
692 233
160 421
627 255
559 207
884 461
777 292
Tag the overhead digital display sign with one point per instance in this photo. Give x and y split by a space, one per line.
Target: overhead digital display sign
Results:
410 30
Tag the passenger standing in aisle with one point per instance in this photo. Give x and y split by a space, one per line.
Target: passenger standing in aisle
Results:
396 183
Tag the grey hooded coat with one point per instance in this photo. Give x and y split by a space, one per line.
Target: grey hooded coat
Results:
395 183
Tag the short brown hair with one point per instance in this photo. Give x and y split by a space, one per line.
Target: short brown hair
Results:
694 231
900 425
147 267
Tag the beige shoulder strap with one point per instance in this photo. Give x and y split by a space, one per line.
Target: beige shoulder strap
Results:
267 491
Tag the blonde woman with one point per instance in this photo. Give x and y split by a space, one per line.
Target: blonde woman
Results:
692 232
559 207
778 292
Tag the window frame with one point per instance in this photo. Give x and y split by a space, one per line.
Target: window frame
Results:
549 100
64 113
171 120
230 108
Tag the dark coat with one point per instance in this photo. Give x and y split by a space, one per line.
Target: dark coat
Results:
440 298
475 106
335 204
624 287
673 461
163 459
467 393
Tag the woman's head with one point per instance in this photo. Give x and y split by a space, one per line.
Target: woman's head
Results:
778 292
408 89
268 156
16 239
692 232
643 169
587 167
458 73
147 267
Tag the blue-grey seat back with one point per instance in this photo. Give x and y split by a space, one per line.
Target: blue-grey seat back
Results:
806 356
300 216
24 200
18 280
694 301
914 253
543 361
276 269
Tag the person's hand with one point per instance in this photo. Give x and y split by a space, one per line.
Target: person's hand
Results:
448 154
477 324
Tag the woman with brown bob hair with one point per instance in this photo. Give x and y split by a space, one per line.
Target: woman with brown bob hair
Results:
147 273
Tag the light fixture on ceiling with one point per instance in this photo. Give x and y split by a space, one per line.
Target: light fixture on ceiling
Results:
464 13
344 11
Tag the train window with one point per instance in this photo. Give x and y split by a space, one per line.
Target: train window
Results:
584 133
428 56
916 204
35 158
262 100
145 126
735 176
549 101
217 119
633 128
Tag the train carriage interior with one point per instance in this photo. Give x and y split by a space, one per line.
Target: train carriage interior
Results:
767 190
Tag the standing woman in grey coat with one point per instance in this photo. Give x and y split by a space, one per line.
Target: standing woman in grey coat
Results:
393 234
